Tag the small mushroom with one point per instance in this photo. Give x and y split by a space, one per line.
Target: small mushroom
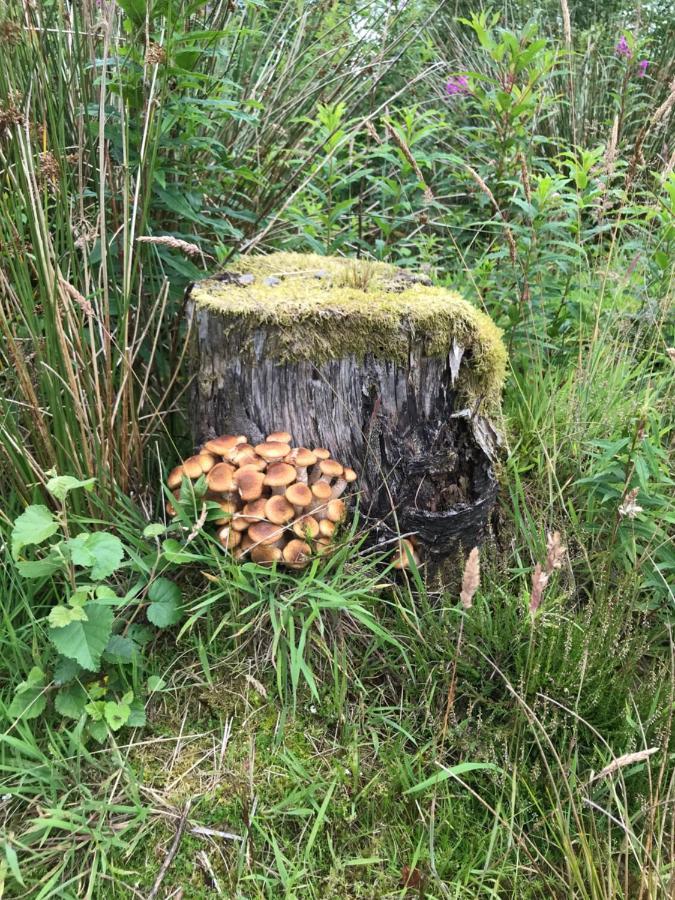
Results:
229 538
224 445
324 546
265 533
306 528
278 476
251 513
401 557
301 457
272 450
175 478
336 510
250 458
326 528
329 469
170 508
321 453
207 461
278 510
300 496
340 483
250 482
229 508
264 555
296 554
322 494
221 479
189 468
279 437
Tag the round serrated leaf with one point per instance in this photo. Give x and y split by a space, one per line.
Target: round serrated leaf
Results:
85 641
71 701
116 714
33 526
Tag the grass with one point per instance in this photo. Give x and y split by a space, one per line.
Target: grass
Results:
342 732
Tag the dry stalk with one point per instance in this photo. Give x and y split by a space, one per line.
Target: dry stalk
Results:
555 554
407 152
470 584
166 240
491 197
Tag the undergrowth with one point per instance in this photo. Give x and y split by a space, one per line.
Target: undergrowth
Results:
344 731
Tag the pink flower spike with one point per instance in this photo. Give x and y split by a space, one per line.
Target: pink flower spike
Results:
642 68
622 48
457 84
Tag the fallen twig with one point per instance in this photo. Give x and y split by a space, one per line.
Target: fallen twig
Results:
168 859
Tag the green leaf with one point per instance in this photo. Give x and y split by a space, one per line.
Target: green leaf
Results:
154 530
85 641
117 714
61 616
65 670
60 485
40 568
13 863
156 683
450 772
29 700
71 701
33 526
121 649
98 730
107 551
137 715
165 609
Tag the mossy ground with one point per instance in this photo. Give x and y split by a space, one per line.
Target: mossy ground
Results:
321 308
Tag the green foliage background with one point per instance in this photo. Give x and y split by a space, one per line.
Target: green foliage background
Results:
345 731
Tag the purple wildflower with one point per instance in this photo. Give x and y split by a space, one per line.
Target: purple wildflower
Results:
642 68
458 84
622 48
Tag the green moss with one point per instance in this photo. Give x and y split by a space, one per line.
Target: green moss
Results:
330 308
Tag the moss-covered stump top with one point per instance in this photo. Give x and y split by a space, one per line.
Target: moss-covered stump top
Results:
323 307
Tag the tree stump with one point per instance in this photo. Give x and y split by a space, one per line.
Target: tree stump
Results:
399 379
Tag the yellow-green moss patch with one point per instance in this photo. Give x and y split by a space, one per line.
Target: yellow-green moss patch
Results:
318 308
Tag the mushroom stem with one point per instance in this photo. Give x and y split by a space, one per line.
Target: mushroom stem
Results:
338 488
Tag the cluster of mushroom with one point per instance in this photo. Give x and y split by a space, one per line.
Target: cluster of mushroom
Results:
280 503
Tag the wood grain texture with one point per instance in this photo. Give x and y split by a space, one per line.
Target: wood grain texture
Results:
421 465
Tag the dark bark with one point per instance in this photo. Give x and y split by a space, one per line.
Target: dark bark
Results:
424 465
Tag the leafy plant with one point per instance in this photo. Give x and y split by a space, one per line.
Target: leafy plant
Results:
96 645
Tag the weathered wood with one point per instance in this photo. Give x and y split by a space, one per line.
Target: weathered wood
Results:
408 408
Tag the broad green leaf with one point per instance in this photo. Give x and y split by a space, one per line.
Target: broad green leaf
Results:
163 615
108 553
121 649
33 526
156 683
85 641
40 568
154 530
60 485
136 715
61 616
29 700
165 609
71 701
98 730
65 670
163 590
95 710
117 714
79 551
